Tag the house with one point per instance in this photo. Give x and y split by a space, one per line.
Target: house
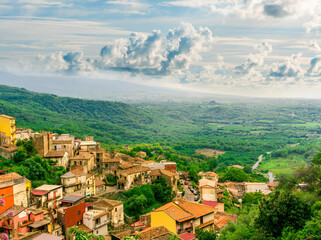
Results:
64 142
7 151
14 225
209 175
85 159
89 144
273 185
24 134
134 176
46 236
182 216
90 185
99 155
170 177
218 205
255 187
115 209
23 220
163 164
8 126
207 190
71 200
96 220
47 196
4 140
14 190
43 143
60 156
68 216
73 181
154 233
109 165
222 219
100 186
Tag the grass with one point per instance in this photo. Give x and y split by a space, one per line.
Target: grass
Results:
283 165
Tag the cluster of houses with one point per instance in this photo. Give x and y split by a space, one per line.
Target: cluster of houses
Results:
49 211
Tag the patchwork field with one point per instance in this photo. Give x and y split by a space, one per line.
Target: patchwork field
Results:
209 152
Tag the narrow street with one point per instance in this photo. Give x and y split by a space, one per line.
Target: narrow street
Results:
189 196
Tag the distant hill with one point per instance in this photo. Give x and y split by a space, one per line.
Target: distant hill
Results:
109 121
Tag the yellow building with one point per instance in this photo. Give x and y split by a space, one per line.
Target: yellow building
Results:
8 126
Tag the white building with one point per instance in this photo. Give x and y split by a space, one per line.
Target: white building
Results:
47 196
255 187
97 220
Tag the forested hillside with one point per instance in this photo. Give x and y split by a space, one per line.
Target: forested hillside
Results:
242 130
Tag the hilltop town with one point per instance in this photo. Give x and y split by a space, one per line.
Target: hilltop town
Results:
86 197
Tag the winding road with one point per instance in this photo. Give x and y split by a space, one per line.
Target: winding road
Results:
270 174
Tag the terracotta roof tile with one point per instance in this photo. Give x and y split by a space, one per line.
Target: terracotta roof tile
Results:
9 176
153 233
175 212
55 154
194 208
98 182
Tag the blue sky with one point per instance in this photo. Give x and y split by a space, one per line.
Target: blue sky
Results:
265 48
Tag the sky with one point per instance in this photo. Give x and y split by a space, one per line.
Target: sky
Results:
260 48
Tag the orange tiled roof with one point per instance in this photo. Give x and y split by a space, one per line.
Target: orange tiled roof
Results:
9 176
153 233
78 172
98 182
55 154
135 169
82 156
194 208
177 213
6 116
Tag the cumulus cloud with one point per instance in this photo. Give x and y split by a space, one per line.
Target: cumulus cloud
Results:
289 68
154 53
315 66
253 60
314 45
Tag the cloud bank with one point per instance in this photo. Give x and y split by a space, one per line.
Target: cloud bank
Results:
150 54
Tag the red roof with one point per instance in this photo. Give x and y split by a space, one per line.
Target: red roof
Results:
144 228
88 204
187 236
39 193
4 170
210 203
137 224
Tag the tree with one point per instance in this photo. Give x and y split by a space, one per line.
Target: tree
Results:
205 234
247 169
282 209
252 198
136 204
82 235
235 175
20 155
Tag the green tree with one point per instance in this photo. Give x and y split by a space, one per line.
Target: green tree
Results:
252 198
20 155
282 209
247 169
205 234
80 234
136 204
235 175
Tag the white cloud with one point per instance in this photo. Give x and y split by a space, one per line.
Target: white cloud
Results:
289 68
253 60
151 54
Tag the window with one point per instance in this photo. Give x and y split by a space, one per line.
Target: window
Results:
79 212
201 219
181 226
97 221
115 209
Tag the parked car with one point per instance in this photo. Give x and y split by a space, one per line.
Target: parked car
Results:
196 198
195 192
186 182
